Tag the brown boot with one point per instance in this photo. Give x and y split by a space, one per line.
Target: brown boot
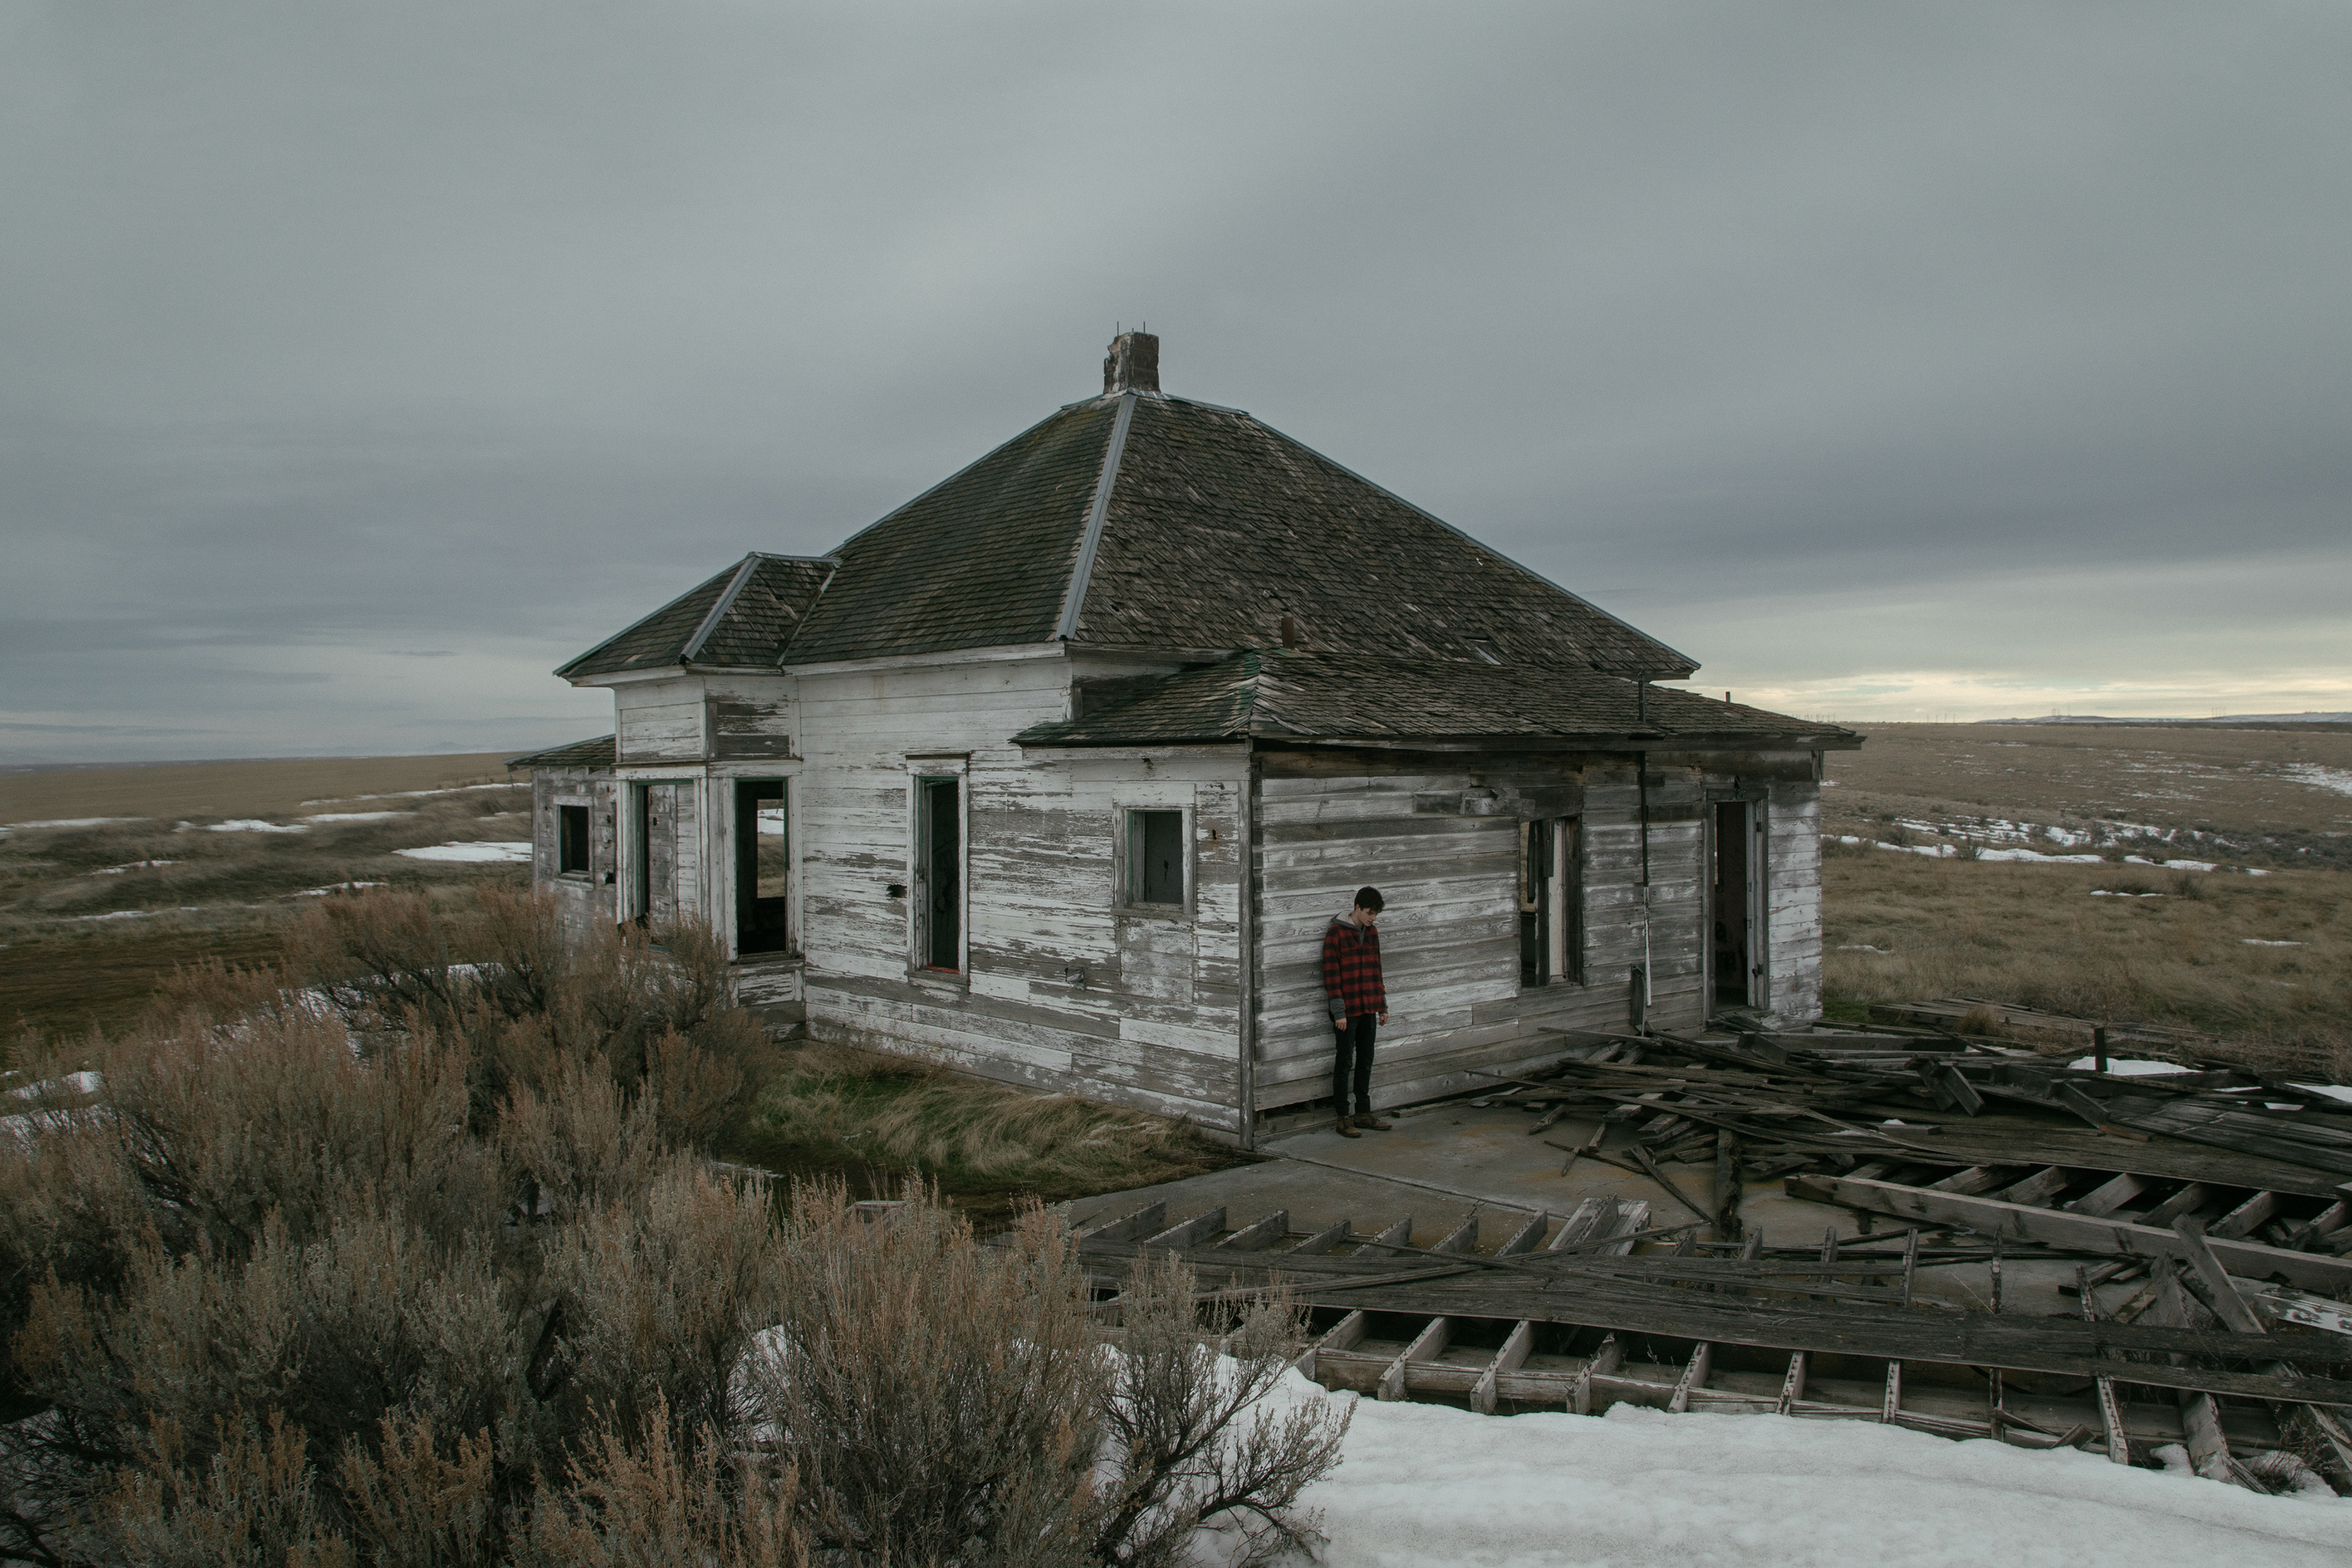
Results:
1348 1128
1368 1119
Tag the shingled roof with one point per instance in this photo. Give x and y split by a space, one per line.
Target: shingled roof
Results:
743 619
600 752
1136 520
1279 695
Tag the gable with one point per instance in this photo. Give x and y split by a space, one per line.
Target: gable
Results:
982 560
743 619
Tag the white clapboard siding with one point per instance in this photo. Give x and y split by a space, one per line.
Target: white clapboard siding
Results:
1063 989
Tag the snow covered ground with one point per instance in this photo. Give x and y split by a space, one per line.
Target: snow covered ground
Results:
1948 852
500 851
2317 777
1423 1485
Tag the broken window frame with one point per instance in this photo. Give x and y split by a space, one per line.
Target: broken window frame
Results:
1131 869
574 846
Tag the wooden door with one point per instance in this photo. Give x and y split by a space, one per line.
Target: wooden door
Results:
658 846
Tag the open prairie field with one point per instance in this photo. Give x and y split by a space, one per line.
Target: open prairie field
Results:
110 877
2186 876
175 790
2260 798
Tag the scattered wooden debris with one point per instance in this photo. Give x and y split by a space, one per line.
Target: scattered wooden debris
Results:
2229 1190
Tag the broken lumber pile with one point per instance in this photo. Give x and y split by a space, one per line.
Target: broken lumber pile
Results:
1581 1317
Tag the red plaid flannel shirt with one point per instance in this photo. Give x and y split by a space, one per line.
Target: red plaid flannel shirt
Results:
1351 969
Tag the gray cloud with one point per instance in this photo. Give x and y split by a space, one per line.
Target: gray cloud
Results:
1874 355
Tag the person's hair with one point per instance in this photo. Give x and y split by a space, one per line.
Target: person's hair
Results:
1370 899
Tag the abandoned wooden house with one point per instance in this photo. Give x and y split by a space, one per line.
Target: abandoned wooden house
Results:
1057 773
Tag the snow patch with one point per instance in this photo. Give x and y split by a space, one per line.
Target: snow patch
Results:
498 852
247 825
2124 1066
2258 942
336 888
1421 1485
69 822
413 793
2317 777
72 1083
129 866
355 815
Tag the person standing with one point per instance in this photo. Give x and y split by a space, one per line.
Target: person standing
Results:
1359 1002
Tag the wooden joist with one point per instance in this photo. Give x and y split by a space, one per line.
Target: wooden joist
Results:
2058 1227
1191 1232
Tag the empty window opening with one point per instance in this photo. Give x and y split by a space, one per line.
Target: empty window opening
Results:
1731 894
1156 857
1536 855
1551 901
572 841
939 869
763 868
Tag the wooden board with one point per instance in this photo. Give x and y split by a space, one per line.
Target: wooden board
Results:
2056 1227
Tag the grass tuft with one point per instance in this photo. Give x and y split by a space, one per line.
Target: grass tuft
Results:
988 1146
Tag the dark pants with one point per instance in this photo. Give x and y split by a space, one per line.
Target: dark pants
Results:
1354 1047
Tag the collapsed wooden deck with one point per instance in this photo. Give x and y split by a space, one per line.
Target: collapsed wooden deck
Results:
1574 1319
2212 1205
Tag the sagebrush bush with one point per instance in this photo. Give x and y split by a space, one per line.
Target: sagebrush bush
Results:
429 1274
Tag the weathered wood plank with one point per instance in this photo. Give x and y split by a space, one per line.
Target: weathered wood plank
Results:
2059 1228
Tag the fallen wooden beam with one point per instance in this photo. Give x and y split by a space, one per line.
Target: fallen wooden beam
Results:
2058 1227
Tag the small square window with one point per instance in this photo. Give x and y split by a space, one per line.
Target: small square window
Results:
1155 870
572 841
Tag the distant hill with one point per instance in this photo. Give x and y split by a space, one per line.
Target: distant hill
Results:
2261 719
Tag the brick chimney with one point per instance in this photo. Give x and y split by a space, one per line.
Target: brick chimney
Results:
1132 365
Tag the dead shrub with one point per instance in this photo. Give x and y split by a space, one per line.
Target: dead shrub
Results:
1981 1020
940 1396
653 1305
499 974
412 1507
1192 1438
280 1294
254 1500
655 1504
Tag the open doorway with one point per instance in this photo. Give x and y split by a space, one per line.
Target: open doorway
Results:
762 862
1730 904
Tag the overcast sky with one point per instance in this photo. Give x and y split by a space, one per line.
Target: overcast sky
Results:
360 363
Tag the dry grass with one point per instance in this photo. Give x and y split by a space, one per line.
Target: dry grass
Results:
174 790
987 1146
2037 936
91 918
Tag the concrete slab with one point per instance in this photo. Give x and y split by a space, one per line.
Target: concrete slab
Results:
1443 1161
